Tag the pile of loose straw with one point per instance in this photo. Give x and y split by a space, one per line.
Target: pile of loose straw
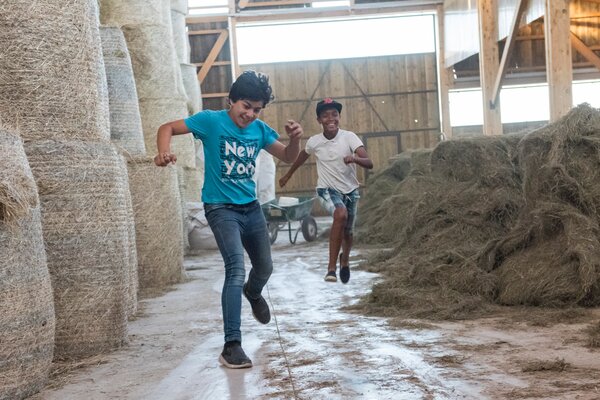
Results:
511 220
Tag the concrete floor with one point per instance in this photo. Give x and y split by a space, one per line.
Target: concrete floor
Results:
313 349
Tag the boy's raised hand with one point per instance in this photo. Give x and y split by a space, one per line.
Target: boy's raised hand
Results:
293 129
164 159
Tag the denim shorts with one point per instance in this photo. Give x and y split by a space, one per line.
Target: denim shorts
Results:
331 199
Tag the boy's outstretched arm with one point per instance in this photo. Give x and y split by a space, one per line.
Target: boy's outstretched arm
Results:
288 153
163 141
302 157
360 157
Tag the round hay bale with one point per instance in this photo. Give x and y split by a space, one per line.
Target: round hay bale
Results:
192 88
181 6
131 277
130 12
18 192
167 21
27 318
180 37
84 214
158 223
51 69
157 112
181 184
193 179
153 60
125 122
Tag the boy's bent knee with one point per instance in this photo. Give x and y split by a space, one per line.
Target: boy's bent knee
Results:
340 214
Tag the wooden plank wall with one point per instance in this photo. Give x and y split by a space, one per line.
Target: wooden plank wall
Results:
390 102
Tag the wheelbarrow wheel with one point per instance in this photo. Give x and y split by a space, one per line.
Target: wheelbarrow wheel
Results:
309 229
273 229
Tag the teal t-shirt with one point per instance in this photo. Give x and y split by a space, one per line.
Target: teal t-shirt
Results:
229 155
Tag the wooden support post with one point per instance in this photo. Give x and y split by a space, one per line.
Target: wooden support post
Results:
489 64
508 47
235 65
444 76
559 65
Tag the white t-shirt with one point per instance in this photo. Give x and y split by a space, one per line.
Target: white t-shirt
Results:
331 170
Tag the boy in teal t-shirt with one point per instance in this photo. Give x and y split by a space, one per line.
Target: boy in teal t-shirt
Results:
232 140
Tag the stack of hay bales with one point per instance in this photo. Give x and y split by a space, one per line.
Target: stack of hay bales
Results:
149 40
148 33
511 220
154 191
125 134
158 233
54 90
193 177
189 73
27 319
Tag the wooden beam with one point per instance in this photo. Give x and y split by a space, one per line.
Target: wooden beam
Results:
591 15
212 56
489 64
508 48
559 65
214 95
250 4
207 32
233 49
215 64
585 51
444 77
195 19
296 13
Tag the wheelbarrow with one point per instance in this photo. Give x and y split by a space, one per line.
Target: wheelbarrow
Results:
280 218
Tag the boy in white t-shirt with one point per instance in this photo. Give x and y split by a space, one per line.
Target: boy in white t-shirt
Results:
337 151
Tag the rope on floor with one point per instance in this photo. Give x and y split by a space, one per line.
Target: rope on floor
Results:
287 364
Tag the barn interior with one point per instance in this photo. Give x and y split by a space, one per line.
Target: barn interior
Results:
476 257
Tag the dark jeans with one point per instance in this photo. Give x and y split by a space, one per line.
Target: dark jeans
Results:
239 227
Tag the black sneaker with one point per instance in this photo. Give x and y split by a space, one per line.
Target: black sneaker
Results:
233 356
344 271
260 308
